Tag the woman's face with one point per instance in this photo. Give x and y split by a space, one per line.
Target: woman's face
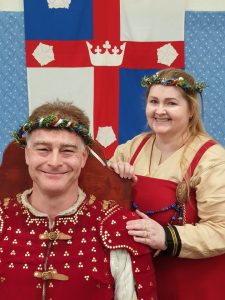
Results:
167 111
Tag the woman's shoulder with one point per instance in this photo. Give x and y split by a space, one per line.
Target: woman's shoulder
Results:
137 139
215 149
213 156
128 148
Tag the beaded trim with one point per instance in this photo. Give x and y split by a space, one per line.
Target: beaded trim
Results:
177 218
1 220
105 235
60 219
180 82
51 122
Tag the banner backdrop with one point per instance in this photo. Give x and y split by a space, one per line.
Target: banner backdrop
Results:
94 53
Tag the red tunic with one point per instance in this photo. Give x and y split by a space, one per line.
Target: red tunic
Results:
34 265
178 278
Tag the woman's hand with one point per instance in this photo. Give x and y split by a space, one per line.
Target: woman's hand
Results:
123 169
147 231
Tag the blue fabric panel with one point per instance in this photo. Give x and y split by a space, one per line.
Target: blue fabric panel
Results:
13 82
56 24
205 59
132 119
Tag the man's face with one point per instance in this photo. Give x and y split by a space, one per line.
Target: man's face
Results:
55 159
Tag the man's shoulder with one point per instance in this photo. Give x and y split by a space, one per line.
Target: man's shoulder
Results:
109 209
111 221
6 202
114 234
99 204
7 209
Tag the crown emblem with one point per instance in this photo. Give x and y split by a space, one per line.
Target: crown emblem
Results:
114 57
59 3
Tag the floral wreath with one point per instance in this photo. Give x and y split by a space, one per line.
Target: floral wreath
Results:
51 121
180 82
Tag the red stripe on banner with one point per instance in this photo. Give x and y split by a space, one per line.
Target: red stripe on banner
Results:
66 54
143 55
75 54
106 16
106 88
106 108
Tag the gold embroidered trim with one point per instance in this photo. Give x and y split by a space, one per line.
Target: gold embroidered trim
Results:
182 192
6 202
174 237
18 198
91 200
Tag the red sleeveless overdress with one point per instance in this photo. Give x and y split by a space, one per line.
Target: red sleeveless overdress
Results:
179 278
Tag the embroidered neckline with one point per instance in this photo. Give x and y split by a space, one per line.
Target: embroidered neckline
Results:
37 213
37 217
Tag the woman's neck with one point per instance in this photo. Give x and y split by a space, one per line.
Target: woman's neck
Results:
170 145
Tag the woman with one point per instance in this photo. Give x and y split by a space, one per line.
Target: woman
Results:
179 191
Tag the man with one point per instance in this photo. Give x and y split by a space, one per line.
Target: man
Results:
55 242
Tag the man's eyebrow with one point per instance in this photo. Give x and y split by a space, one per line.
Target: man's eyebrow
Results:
62 145
69 145
37 143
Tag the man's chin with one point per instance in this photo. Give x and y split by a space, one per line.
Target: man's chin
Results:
54 189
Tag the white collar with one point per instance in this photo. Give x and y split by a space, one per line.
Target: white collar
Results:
69 211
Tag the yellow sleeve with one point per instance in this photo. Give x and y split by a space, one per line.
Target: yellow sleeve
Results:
207 237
